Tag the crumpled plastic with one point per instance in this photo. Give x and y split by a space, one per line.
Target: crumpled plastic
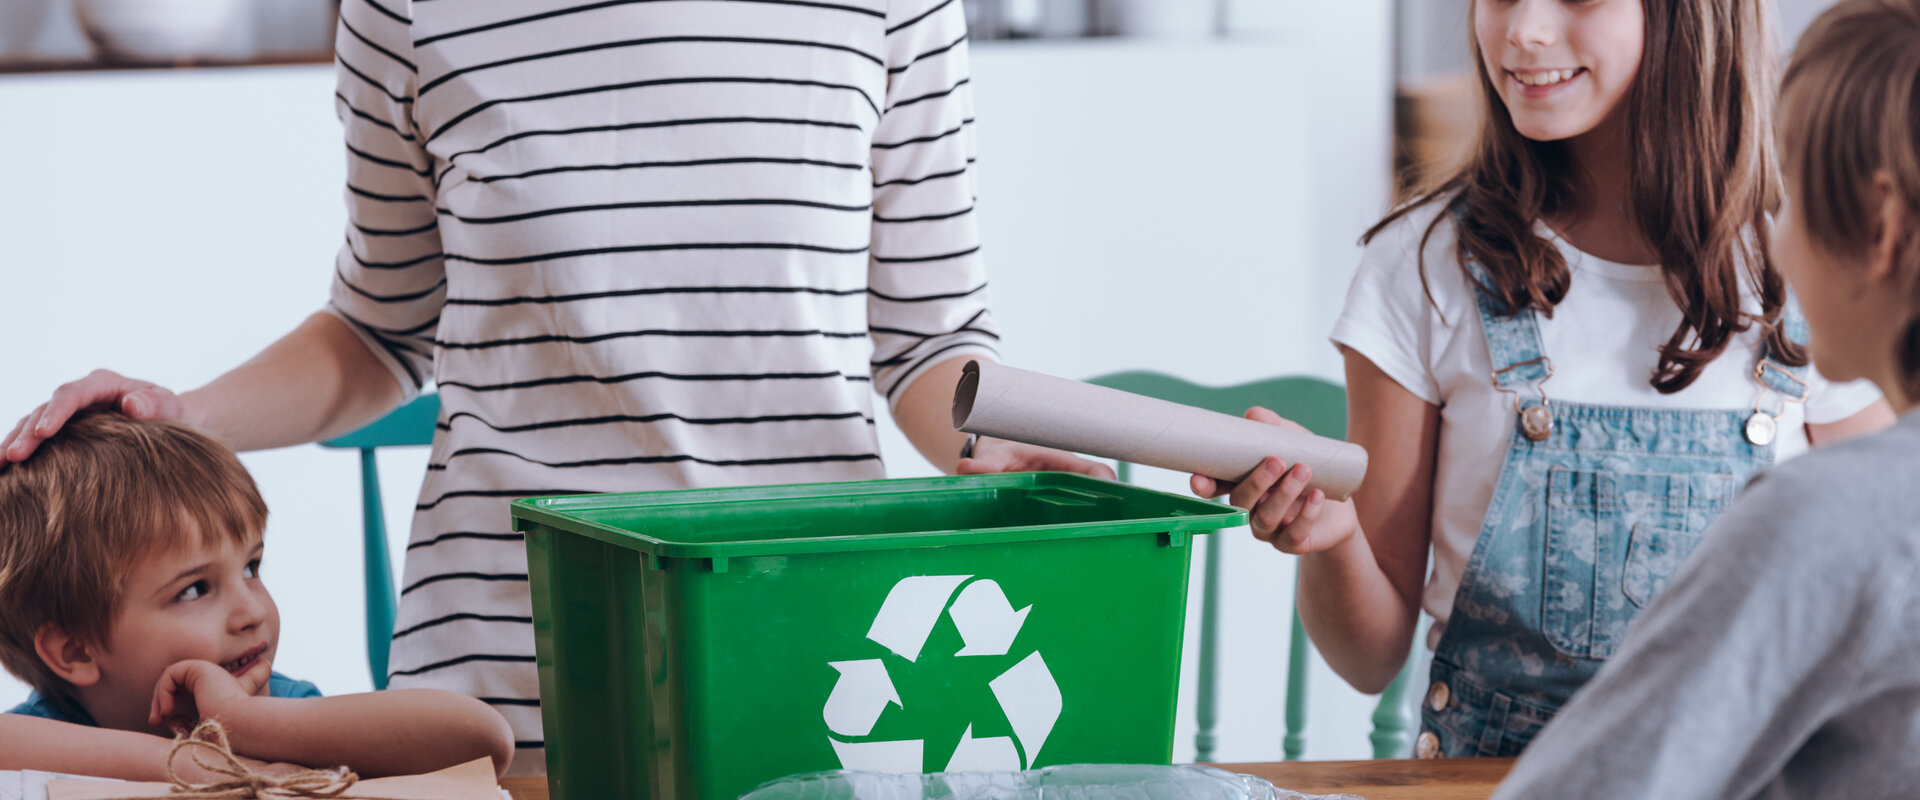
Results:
1072 782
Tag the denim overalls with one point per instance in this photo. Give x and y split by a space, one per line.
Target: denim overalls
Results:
1590 518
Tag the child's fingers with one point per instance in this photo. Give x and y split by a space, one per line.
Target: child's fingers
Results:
1253 487
1276 509
1297 480
1307 511
1298 537
1204 486
1261 414
252 682
163 700
178 693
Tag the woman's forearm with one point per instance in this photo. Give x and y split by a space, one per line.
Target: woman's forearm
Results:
316 382
925 413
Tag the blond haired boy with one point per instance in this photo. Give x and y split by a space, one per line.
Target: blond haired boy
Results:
131 601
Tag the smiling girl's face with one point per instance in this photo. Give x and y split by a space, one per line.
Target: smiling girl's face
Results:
1561 67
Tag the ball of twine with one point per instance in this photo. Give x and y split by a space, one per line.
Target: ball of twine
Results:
241 783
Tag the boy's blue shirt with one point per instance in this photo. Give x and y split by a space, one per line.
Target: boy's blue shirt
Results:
278 685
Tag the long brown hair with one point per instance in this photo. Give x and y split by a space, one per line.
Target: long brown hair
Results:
1702 178
1850 109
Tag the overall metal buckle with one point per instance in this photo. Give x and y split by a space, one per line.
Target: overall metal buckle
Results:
1762 427
1535 421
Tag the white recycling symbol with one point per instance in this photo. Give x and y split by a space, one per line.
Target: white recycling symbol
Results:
988 625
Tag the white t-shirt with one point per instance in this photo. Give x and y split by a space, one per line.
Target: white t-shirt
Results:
1604 340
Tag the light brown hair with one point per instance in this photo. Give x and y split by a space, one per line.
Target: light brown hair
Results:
92 500
1703 177
1849 111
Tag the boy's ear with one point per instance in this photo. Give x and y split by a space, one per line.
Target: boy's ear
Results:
69 658
1893 232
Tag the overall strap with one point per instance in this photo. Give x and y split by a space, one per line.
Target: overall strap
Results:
1790 383
1520 363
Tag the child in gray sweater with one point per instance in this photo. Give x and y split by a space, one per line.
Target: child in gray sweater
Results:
1784 660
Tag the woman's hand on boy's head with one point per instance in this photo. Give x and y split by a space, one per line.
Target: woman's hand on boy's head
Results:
1281 511
191 691
136 398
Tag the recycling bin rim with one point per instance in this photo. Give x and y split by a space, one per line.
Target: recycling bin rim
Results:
1181 517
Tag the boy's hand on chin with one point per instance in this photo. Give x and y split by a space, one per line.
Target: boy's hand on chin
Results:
191 691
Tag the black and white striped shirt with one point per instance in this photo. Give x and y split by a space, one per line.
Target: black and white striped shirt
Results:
642 244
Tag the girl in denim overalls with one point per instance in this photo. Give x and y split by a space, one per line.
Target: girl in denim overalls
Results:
1553 422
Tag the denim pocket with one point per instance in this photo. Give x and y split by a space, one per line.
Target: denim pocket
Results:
1613 541
1656 553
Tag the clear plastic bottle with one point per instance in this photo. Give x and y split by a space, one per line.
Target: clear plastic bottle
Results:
1073 782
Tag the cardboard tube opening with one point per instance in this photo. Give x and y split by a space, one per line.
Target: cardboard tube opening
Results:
963 393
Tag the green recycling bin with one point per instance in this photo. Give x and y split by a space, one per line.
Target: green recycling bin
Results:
692 644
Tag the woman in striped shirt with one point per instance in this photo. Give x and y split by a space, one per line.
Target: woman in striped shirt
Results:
636 244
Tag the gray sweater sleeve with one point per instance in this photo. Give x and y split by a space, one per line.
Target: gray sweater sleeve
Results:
1759 644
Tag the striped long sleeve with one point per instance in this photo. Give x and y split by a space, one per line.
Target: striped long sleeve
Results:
928 284
389 278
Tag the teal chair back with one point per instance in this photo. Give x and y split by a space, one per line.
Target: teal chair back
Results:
411 424
1320 407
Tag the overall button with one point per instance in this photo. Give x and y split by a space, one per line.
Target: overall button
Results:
1437 697
1537 422
1427 746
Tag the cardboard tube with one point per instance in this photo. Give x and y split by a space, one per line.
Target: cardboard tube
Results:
1008 403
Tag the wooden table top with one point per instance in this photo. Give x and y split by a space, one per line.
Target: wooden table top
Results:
1387 779
529 788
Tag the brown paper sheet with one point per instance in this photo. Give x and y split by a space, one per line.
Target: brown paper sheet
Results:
1009 403
470 781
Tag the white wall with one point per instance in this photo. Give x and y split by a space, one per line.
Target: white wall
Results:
1187 206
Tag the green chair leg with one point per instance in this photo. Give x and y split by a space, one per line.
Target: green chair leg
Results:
1393 718
381 600
1207 711
1294 744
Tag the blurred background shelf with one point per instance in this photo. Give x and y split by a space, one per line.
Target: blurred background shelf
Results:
40 36
28 66
67 35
